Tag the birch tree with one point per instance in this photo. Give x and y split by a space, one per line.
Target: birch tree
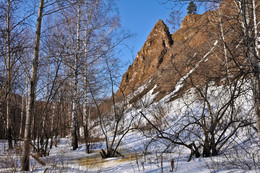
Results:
14 44
33 84
96 20
74 140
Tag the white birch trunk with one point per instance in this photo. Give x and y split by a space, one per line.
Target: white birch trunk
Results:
85 90
255 27
74 136
254 53
31 102
85 112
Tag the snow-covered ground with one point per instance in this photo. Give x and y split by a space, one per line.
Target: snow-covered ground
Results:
241 154
63 159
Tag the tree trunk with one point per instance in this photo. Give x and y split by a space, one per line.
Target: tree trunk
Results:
256 93
214 151
45 111
85 90
74 136
256 79
8 80
206 147
21 123
29 113
85 116
52 124
85 110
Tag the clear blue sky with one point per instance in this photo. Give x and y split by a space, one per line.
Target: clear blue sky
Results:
139 17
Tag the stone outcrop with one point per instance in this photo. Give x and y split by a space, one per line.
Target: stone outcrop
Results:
149 58
193 55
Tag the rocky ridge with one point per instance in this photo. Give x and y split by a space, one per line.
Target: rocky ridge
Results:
148 59
192 56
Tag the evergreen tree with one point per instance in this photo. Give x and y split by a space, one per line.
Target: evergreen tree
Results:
192 8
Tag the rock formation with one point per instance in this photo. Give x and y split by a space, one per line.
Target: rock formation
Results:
192 56
148 59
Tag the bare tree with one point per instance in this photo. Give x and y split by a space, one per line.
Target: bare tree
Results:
14 44
175 20
33 84
98 33
249 23
247 20
111 114
207 124
211 125
8 71
74 140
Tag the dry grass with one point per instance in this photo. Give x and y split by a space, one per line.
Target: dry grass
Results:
95 160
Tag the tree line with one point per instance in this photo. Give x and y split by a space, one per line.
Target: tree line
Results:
52 70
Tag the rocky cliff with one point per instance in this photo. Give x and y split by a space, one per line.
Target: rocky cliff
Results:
149 58
192 56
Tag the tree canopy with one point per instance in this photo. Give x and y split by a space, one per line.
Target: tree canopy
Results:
192 8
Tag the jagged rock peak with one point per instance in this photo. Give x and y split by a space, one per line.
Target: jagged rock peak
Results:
149 58
160 30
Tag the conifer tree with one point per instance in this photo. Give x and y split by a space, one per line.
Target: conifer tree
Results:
192 8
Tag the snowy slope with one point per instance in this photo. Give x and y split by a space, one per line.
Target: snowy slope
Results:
241 154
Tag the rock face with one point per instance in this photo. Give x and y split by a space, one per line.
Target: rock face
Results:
192 56
149 58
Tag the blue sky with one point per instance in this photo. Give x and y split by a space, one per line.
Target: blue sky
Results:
139 17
